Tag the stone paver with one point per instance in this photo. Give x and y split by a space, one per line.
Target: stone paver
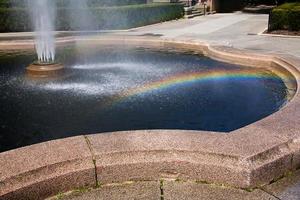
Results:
172 190
138 190
236 30
287 188
193 191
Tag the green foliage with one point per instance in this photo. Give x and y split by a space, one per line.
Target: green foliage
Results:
285 17
259 2
102 3
14 19
5 3
294 20
64 3
114 2
267 2
122 17
136 15
117 17
278 19
289 6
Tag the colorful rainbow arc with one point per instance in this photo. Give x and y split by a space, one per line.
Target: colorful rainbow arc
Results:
185 78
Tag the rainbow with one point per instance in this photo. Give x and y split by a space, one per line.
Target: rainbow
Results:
192 77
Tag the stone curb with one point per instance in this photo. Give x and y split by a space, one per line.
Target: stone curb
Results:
245 158
42 170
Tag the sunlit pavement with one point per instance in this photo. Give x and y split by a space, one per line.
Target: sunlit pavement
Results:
238 30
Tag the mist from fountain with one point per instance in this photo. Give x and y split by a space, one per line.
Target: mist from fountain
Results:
43 17
80 17
43 14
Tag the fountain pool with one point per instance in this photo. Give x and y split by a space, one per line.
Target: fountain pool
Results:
115 89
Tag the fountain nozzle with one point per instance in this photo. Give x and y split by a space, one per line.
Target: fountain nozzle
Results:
44 69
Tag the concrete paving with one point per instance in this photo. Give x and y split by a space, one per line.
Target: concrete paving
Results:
238 30
141 190
194 191
287 188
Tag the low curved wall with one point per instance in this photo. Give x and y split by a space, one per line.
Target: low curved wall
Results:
245 158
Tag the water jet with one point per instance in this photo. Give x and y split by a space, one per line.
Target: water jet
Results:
43 14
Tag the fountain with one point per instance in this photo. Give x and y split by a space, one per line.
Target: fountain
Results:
43 14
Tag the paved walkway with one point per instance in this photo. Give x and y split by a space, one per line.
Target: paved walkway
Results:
287 188
236 30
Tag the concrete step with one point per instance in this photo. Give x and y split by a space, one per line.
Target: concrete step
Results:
193 15
192 11
197 12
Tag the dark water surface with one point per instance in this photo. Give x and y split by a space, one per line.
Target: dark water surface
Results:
131 89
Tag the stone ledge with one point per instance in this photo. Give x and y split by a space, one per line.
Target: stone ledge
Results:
45 169
171 154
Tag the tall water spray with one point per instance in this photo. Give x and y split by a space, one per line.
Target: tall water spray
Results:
43 14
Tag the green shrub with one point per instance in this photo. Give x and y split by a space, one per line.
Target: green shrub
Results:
278 19
14 19
285 17
259 2
5 3
64 3
118 17
137 15
294 20
289 6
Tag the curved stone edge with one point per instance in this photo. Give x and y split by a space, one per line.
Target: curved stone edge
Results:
246 158
151 155
28 44
46 169
42 170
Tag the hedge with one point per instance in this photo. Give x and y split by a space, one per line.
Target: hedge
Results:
285 17
289 6
120 17
267 2
65 3
14 20
127 16
259 2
